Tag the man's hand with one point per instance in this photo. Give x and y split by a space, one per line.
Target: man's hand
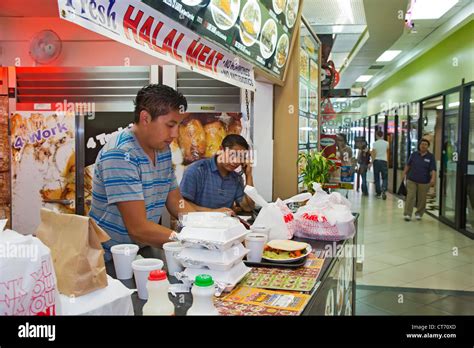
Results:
247 169
227 211
432 183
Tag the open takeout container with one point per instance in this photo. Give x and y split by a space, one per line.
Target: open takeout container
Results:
212 238
212 259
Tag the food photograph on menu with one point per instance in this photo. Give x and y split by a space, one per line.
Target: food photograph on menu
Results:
260 31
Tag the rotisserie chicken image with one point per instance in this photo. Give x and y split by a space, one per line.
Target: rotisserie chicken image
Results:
192 140
215 132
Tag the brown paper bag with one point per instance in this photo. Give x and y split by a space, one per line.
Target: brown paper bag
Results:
78 256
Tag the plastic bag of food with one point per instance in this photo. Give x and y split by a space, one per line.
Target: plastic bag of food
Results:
315 224
27 278
277 216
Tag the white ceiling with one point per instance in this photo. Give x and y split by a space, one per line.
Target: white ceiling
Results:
334 12
345 19
408 41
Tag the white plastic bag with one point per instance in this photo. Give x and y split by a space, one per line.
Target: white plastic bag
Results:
277 216
325 217
27 280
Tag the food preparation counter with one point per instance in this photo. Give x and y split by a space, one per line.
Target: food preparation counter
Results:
333 294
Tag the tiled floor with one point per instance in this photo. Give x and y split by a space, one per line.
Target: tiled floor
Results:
430 264
377 300
416 254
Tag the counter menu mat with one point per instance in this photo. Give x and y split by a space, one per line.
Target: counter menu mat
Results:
251 301
300 279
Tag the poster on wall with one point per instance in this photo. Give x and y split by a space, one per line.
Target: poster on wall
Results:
43 165
200 136
5 193
260 31
143 27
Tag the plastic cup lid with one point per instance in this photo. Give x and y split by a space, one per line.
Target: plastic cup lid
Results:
173 246
258 237
126 249
203 280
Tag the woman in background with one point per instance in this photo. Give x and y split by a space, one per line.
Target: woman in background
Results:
363 160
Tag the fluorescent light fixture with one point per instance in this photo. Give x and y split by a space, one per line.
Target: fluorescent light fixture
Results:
439 107
364 78
388 56
431 9
336 29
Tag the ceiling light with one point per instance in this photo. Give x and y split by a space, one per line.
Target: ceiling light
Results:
364 78
439 107
388 56
431 9
336 29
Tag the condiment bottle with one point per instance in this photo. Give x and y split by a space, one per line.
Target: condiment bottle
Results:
158 301
203 294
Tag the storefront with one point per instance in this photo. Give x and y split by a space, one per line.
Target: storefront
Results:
445 119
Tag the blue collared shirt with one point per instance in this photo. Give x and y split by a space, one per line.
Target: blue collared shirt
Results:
203 185
421 167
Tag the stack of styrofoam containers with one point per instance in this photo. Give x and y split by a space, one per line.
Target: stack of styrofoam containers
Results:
213 246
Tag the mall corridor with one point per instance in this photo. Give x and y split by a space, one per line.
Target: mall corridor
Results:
417 267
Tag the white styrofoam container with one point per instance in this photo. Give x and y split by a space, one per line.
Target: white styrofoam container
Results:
212 259
230 278
209 220
212 238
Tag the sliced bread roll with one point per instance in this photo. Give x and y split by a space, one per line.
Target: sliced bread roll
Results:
287 245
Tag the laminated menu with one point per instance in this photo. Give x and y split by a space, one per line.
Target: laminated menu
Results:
252 301
300 279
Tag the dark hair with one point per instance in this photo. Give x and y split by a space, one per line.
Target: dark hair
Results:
424 140
158 100
343 136
233 140
379 133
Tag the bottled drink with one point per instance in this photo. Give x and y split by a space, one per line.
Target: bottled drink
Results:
158 301
203 294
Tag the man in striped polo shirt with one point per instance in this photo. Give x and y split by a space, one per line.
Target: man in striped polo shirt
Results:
133 176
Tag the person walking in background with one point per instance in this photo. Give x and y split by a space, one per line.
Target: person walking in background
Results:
420 174
363 160
379 156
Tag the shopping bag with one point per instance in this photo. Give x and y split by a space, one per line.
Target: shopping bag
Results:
78 256
27 278
277 216
325 217
402 190
370 175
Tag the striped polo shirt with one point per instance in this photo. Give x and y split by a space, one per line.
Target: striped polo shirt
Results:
124 172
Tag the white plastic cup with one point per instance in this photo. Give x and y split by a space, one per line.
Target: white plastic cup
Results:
141 270
261 229
172 263
255 242
123 255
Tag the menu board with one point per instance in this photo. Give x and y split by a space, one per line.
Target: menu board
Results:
260 31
